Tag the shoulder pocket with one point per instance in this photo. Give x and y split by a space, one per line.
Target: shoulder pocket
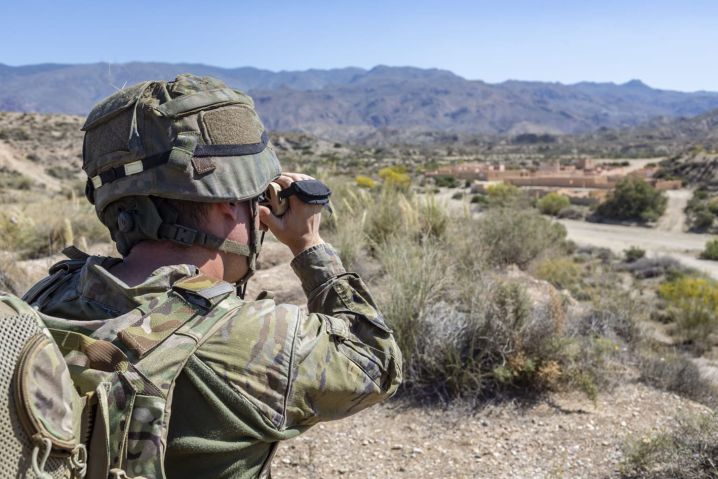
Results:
357 352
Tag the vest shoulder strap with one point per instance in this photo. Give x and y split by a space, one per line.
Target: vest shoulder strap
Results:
58 274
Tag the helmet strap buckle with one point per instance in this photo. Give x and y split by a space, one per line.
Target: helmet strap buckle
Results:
183 235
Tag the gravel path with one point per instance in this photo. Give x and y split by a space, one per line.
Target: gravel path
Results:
565 436
685 247
674 219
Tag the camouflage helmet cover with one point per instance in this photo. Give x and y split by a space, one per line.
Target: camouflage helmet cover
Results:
191 139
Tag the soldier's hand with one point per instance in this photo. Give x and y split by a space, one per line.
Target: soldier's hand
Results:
298 228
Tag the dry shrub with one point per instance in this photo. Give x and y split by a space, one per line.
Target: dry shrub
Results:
688 452
39 229
643 268
474 333
386 214
518 236
348 223
692 303
12 278
674 372
467 327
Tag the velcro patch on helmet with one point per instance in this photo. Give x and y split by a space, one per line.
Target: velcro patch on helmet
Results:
232 125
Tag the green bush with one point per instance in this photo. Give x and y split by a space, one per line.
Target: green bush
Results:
702 218
634 253
513 236
552 203
711 250
479 199
504 195
446 182
561 272
633 199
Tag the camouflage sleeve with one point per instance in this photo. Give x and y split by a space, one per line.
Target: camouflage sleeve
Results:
345 357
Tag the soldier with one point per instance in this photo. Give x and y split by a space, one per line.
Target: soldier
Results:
175 170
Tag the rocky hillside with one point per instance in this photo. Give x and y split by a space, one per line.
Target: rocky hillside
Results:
353 103
696 167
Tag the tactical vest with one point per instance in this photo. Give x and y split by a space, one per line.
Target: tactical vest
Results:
91 399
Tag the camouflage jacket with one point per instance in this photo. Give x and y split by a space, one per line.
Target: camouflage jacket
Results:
267 375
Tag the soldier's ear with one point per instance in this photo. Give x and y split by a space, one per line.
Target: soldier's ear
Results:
237 211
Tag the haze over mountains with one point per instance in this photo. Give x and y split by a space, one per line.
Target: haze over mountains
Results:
353 103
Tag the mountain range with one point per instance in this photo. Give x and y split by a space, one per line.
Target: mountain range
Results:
354 103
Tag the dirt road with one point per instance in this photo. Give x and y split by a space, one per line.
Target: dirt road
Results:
674 219
684 247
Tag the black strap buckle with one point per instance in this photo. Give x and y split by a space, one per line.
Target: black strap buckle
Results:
184 235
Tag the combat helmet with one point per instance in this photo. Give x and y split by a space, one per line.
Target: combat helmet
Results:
191 139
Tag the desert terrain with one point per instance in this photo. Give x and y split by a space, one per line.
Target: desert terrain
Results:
535 346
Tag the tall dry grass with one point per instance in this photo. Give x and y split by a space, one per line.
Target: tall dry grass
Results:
40 228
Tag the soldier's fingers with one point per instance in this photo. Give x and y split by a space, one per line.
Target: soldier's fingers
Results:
284 181
267 219
297 176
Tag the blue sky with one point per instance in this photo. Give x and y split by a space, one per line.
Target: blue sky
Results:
667 44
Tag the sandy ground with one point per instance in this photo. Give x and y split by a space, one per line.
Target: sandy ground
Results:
563 436
9 160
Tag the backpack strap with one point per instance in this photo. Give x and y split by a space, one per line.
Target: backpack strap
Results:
163 355
58 274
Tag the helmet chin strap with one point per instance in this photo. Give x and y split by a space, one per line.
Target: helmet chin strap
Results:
191 237
142 218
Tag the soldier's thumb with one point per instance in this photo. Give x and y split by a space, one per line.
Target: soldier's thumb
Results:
268 219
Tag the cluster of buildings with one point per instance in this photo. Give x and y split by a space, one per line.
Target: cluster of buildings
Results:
585 182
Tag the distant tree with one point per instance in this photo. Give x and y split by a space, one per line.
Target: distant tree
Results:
633 199
552 203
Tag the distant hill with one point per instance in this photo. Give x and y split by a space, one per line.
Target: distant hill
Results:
353 103
661 136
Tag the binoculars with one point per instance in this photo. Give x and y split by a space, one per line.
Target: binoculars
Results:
312 192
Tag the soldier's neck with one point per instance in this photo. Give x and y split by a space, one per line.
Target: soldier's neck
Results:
146 257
